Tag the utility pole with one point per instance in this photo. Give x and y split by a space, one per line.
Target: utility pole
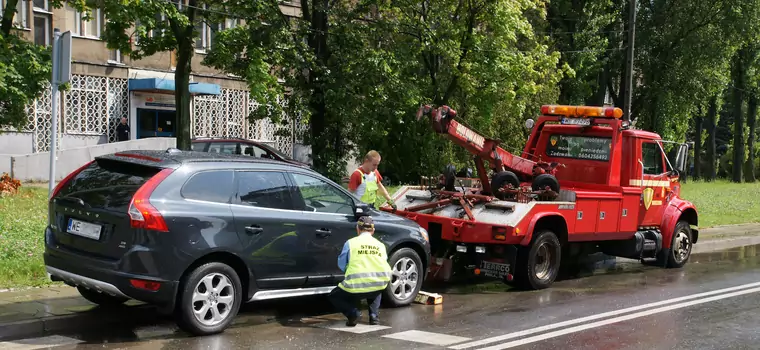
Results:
628 84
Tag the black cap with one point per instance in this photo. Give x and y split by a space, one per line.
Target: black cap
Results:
366 222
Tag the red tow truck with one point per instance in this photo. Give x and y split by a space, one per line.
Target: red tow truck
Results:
585 182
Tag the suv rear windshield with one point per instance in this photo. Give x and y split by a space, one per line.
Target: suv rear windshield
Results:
108 184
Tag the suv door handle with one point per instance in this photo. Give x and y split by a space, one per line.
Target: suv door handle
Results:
323 233
254 229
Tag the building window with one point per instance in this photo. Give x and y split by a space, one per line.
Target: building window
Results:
43 30
86 28
21 17
114 56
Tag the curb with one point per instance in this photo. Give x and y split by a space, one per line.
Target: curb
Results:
92 320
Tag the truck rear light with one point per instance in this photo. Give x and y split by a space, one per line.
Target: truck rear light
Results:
68 178
461 248
141 213
499 233
146 285
480 249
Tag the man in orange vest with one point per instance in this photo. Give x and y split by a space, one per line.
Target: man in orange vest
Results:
366 180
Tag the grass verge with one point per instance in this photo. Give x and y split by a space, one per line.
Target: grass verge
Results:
22 224
723 202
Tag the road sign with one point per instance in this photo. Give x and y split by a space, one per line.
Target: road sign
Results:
64 58
61 75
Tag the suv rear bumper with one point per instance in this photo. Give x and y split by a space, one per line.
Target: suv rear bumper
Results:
113 283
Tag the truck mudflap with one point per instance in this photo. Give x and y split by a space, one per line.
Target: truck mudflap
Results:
486 261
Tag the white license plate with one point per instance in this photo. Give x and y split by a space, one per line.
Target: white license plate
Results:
84 229
494 269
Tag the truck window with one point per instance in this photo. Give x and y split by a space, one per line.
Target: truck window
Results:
579 147
652 158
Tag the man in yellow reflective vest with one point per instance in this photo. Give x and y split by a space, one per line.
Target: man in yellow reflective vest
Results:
366 180
364 261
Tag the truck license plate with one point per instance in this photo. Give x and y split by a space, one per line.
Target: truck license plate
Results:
84 229
494 269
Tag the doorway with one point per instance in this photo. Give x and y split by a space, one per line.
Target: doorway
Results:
155 123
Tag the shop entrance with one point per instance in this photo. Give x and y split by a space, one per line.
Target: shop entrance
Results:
155 123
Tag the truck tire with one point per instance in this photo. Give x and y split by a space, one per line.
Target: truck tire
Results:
544 180
538 264
217 289
680 247
501 179
406 278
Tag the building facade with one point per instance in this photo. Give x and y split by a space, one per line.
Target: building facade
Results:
106 86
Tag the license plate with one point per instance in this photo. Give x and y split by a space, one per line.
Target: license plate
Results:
494 269
84 229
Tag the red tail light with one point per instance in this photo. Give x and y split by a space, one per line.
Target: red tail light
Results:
147 285
68 178
141 213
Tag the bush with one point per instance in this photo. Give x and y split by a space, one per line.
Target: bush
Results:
8 185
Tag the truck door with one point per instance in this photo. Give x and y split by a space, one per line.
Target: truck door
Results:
654 181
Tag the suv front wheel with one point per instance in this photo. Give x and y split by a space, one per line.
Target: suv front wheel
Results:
209 299
406 278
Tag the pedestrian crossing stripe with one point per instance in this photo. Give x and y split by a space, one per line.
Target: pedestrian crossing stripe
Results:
410 335
358 329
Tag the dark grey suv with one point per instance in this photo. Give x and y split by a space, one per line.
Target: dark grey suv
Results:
198 234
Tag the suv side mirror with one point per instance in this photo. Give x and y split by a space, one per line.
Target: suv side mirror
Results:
361 209
681 157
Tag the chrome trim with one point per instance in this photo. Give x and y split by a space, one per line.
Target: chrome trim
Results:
89 283
289 293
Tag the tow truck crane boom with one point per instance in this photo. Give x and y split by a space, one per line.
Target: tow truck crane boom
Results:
505 164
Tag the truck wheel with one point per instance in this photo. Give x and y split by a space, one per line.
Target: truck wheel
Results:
680 247
500 180
545 180
538 265
101 299
209 299
406 278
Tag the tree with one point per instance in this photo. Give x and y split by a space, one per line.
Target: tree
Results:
26 69
161 26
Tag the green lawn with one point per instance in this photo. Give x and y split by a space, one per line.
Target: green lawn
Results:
723 202
23 216
22 225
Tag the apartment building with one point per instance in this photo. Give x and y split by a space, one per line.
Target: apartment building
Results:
106 86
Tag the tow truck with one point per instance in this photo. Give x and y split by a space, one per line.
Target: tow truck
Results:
586 182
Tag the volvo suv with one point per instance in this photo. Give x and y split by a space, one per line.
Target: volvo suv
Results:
198 234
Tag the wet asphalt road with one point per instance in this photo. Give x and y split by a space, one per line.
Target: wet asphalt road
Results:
593 308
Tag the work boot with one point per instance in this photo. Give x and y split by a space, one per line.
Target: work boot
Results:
353 320
374 320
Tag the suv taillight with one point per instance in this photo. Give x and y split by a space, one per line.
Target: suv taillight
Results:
66 180
141 213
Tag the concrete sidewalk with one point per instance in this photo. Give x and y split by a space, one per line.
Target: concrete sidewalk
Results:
36 312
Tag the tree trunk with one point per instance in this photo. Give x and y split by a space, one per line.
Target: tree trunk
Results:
738 72
749 171
698 145
8 11
712 125
317 17
185 49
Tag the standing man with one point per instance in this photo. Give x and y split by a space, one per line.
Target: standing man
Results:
366 180
122 130
364 261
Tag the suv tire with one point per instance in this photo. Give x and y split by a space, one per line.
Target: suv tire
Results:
209 299
99 298
406 273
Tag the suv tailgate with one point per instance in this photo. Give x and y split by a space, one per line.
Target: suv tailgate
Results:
90 211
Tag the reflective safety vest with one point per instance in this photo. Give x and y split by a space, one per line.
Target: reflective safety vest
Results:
367 190
368 269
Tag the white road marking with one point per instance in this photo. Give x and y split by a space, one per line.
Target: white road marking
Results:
598 316
38 343
616 320
427 337
358 329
